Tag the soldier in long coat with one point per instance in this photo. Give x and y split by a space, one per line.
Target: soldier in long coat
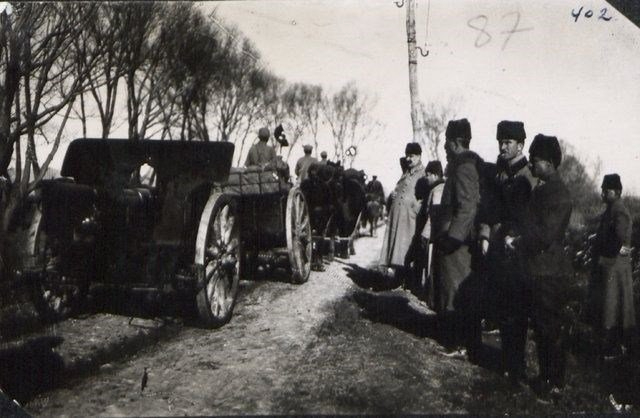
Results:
511 189
454 250
401 226
612 256
432 223
548 267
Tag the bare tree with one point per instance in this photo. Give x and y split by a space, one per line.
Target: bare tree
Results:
193 59
348 114
434 118
41 78
141 57
302 104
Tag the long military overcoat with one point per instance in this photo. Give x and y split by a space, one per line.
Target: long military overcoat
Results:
613 269
459 206
402 219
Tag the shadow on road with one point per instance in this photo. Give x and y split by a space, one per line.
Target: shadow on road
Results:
395 309
370 278
30 367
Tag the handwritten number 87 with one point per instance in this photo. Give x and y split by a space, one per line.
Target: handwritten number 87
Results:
480 22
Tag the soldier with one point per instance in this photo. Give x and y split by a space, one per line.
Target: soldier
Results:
611 255
375 188
260 154
432 222
512 190
402 214
548 267
323 158
456 283
303 164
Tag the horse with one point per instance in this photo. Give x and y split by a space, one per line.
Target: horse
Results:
335 198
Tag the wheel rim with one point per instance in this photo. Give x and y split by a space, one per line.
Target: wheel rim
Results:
56 294
222 261
299 237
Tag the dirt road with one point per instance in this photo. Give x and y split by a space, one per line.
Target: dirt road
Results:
338 344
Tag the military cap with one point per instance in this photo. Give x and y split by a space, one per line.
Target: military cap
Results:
413 148
434 167
511 130
458 129
547 148
307 148
263 133
611 182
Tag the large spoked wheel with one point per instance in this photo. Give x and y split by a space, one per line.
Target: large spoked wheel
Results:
299 240
55 295
218 250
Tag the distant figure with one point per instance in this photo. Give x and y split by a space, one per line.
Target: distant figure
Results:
323 157
261 154
375 187
612 270
303 164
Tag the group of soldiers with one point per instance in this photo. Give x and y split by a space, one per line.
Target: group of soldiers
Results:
482 235
261 154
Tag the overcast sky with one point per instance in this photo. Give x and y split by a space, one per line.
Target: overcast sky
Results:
578 79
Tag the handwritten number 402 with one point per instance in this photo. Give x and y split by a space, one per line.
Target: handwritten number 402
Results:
589 13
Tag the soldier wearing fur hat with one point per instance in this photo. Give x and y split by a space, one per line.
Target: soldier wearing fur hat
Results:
548 267
511 190
303 164
403 211
456 284
260 154
612 254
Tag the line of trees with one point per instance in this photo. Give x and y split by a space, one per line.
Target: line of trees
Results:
162 70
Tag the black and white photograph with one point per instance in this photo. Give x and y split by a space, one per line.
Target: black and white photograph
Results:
319 207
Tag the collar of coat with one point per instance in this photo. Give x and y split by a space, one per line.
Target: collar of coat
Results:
415 169
467 157
511 169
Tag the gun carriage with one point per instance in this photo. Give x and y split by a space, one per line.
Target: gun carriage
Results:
193 230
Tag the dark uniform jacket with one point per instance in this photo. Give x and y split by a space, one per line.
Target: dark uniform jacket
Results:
545 223
461 197
260 154
511 189
614 230
302 166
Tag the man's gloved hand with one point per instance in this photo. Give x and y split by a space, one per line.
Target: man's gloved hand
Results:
484 246
448 244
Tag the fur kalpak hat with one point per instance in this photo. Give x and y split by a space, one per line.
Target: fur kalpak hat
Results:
434 167
511 130
413 148
611 182
547 148
460 128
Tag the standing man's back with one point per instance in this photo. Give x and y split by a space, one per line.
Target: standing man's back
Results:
260 154
303 164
